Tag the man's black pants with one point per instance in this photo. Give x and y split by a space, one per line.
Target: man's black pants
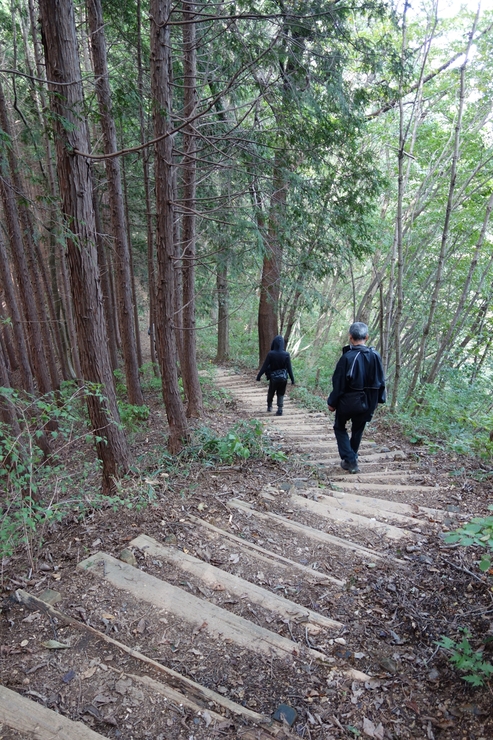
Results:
348 448
279 387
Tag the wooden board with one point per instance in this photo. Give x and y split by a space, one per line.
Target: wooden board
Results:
212 576
24 715
313 534
268 556
220 622
365 458
368 505
331 509
201 694
363 486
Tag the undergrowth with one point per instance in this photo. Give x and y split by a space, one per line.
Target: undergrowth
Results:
467 660
455 415
40 488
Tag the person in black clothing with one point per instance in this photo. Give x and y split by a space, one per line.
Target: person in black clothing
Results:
277 367
358 385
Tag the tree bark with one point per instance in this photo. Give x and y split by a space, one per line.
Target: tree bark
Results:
161 85
222 309
117 210
74 175
151 278
189 168
268 321
13 310
26 289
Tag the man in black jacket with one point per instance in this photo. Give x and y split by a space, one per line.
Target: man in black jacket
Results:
358 385
277 367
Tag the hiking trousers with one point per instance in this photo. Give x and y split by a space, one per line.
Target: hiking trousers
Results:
276 387
348 447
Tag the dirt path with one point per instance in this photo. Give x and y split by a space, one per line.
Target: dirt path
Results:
266 590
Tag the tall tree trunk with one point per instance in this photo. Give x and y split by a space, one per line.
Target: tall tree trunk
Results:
13 310
106 287
189 167
55 304
74 175
222 308
68 307
151 278
28 272
25 290
270 284
132 271
117 210
161 85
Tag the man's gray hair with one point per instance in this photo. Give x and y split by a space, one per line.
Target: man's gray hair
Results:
358 330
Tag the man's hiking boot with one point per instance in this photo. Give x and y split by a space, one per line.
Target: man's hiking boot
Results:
269 408
350 467
279 411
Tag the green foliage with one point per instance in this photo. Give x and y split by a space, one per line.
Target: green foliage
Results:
149 380
132 416
454 414
306 398
38 489
244 440
120 387
479 531
467 660
213 395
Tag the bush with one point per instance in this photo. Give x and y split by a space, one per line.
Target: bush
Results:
245 439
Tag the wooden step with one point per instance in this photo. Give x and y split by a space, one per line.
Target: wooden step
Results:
191 609
361 503
365 458
176 687
268 556
314 534
384 475
212 576
343 484
23 715
328 509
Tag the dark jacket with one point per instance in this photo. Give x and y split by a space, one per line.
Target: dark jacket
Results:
359 368
276 359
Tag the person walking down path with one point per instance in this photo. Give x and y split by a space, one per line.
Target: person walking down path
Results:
277 368
358 385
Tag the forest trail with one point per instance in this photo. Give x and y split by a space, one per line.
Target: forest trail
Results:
251 602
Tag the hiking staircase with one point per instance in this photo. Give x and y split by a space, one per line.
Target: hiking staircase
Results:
279 621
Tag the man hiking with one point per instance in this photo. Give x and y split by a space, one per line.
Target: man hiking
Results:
358 385
277 367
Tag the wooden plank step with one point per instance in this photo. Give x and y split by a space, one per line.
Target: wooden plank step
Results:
211 576
366 458
24 715
386 474
244 733
191 609
299 427
194 694
268 556
348 500
363 486
330 510
302 529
